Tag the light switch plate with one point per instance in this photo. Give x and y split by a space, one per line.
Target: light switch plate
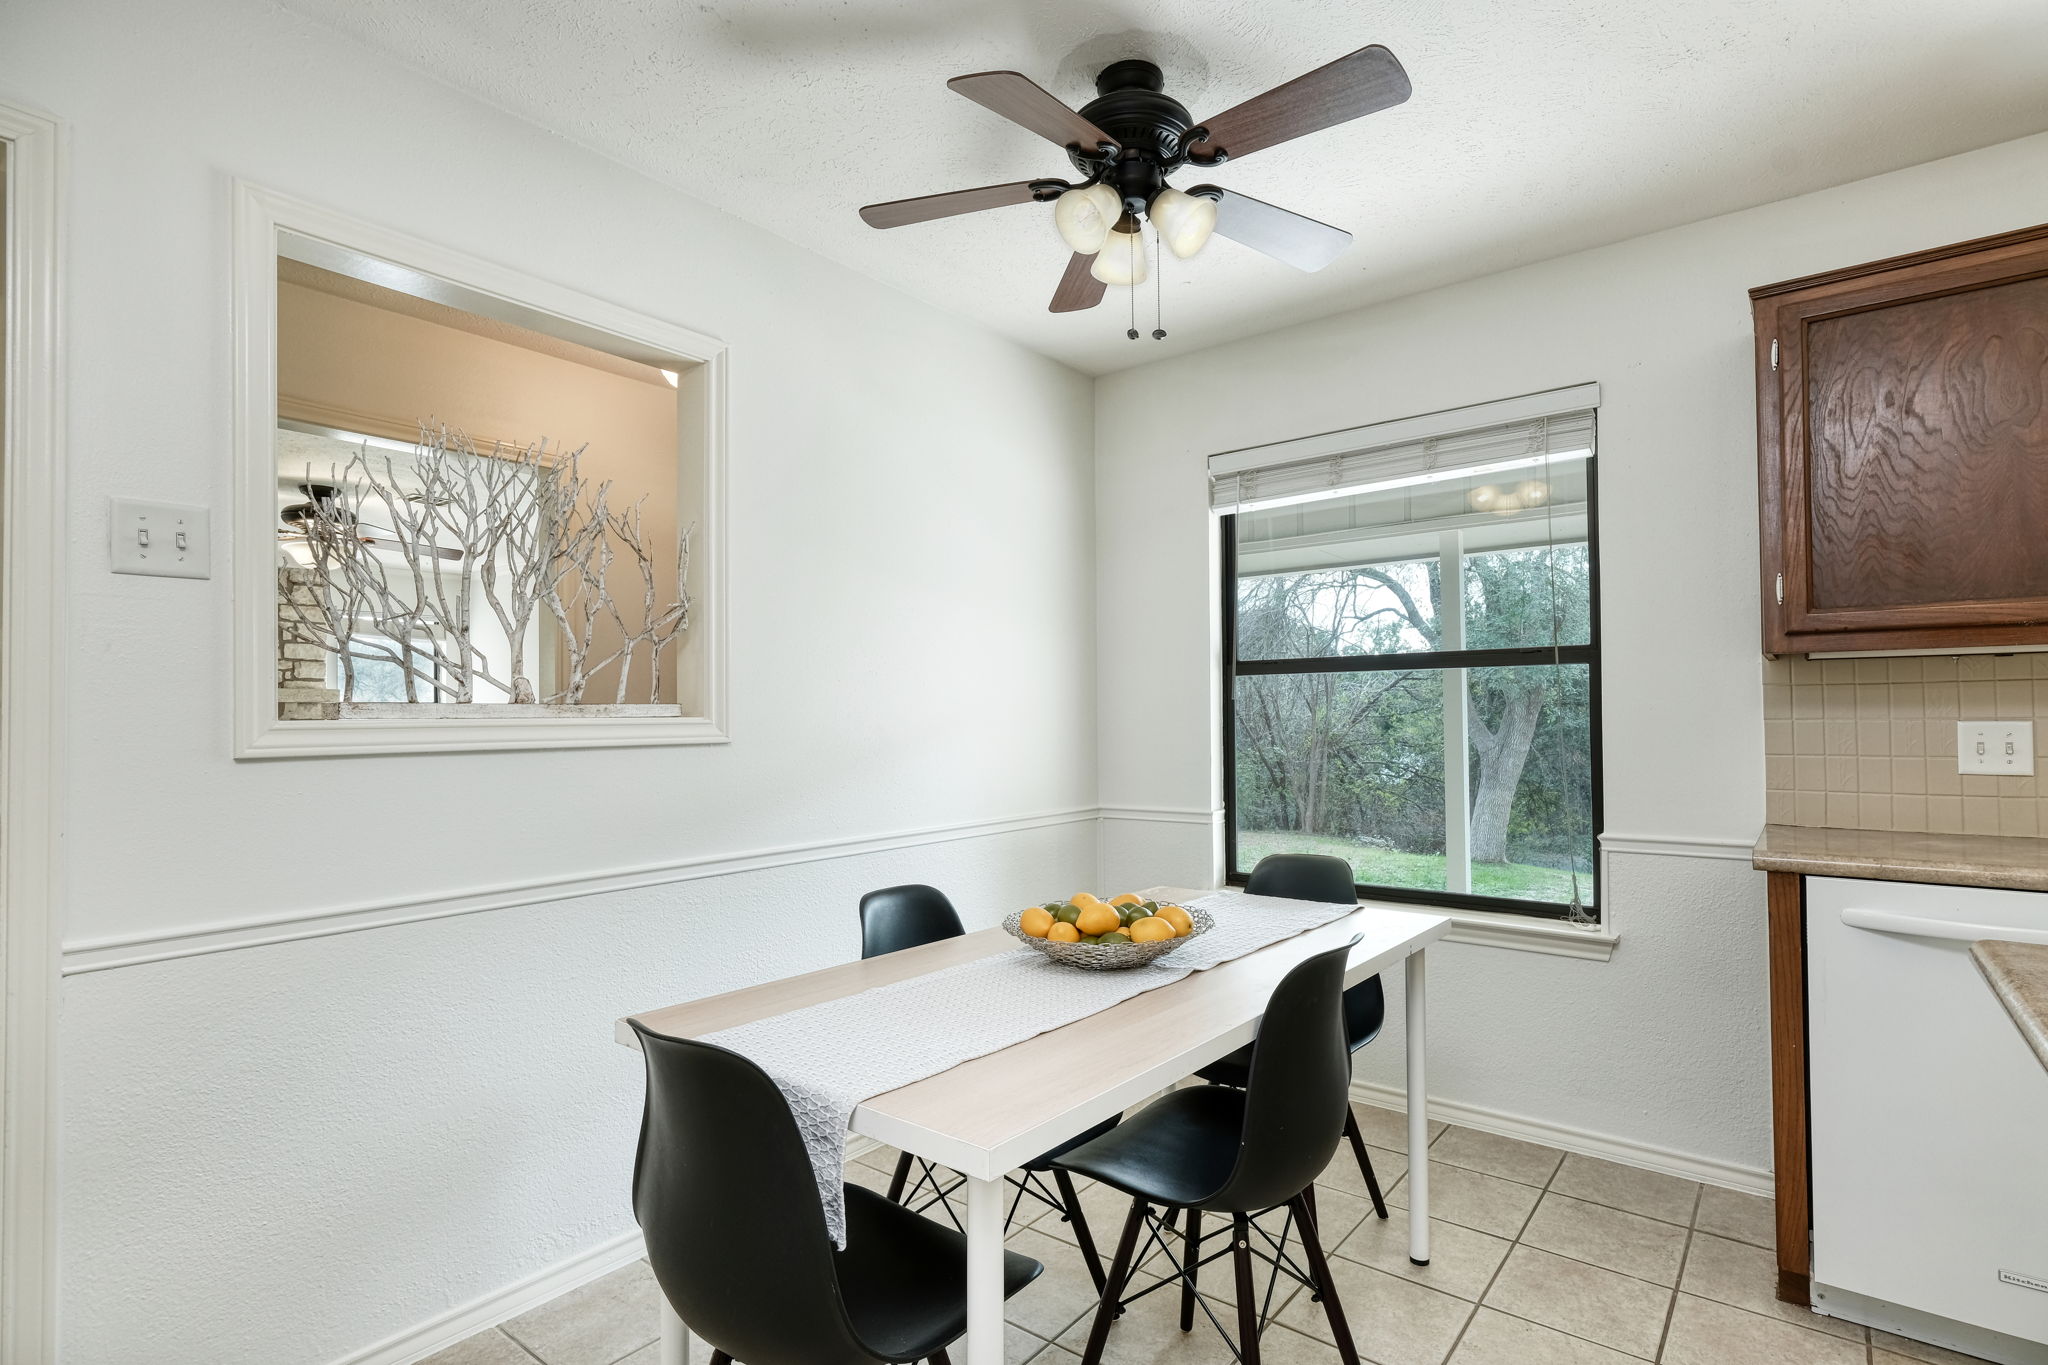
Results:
165 539
1995 746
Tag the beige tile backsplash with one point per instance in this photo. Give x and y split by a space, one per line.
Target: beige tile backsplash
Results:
1871 743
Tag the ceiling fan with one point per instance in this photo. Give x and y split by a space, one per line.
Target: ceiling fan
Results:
324 501
1131 137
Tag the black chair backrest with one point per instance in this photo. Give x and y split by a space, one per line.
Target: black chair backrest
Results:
1299 1091
899 917
725 1196
1320 877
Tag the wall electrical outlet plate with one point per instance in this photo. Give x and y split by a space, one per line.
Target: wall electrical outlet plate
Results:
165 539
1995 746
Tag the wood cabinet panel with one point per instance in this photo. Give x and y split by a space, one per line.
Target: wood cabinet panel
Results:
1903 451
1927 472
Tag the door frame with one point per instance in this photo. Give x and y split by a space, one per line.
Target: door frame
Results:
32 545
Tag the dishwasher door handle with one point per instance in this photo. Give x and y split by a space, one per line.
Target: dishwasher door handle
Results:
1924 926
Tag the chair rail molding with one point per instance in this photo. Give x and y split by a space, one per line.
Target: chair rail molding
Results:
259 215
130 950
31 727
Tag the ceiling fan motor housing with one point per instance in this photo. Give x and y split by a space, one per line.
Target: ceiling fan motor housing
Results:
1148 124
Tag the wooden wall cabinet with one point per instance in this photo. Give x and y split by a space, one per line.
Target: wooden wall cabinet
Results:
1902 425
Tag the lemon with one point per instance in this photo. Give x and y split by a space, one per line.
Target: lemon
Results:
1151 929
1036 921
1097 918
1127 898
1062 932
1183 924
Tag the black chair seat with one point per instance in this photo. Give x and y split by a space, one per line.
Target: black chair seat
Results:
892 1261
1178 1151
1044 1160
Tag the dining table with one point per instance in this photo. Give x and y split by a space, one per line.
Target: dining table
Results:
986 1117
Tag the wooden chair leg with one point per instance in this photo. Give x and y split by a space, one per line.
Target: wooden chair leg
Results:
720 1358
1071 1202
1191 1257
896 1183
938 1358
1372 1182
1326 1288
1113 1288
1247 1290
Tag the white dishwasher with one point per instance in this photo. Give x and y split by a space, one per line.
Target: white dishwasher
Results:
1929 1119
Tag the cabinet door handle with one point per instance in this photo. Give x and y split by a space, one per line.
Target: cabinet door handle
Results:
1923 926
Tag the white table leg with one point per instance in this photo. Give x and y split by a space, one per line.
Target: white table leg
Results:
984 1272
675 1338
1418 1114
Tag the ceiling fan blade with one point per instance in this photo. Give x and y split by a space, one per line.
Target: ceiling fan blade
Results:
1020 100
438 551
1077 288
1283 234
1365 82
898 212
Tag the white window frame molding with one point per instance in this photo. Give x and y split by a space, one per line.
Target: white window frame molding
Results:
259 215
32 653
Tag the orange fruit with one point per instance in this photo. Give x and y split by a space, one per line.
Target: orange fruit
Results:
1097 918
1037 921
1151 929
1183 923
1063 933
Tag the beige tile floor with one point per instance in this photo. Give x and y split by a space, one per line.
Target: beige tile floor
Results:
1539 1258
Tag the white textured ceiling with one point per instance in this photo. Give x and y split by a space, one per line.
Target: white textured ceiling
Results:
1537 126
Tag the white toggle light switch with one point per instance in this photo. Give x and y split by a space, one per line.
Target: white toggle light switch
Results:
1995 746
162 538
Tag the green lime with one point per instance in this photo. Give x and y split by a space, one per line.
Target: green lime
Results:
1091 938
1114 936
1127 913
1068 913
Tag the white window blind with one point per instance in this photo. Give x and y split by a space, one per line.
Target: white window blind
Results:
1410 451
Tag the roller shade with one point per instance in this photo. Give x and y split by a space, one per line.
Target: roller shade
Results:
1415 450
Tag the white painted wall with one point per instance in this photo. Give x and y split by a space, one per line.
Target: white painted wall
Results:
280 1155
1664 1045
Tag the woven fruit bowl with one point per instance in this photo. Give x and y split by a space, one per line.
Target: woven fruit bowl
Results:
1113 956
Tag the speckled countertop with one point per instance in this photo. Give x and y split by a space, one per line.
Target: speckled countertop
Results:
2018 973
1883 855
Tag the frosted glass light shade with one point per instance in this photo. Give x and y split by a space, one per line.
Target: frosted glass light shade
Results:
1183 221
1122 258
1085 215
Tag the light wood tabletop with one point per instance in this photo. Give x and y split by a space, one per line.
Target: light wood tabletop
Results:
985 1117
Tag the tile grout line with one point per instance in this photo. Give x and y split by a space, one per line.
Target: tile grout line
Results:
1684 1256
1516 1241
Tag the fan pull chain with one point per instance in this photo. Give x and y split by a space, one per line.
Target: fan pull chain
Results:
1136 246
1158 289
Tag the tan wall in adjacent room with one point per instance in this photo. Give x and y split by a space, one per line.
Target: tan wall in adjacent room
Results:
350 364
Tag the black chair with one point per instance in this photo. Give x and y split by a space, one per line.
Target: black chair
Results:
724 1192
899 917
1241 1152
1317 877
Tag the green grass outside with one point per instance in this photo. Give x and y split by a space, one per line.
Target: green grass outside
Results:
1384 867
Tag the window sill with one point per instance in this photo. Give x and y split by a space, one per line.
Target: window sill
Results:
1527 934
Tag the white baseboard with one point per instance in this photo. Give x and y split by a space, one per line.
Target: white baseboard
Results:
1686 1166
501 1305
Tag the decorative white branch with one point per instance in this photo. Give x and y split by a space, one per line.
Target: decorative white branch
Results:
525 529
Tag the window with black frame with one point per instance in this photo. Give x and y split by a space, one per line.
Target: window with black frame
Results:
1412 672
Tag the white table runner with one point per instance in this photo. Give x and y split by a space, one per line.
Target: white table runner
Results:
828 1058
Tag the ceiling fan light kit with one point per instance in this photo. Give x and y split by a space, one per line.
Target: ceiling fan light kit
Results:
1131 137
1183 221
1122 258
1085 214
